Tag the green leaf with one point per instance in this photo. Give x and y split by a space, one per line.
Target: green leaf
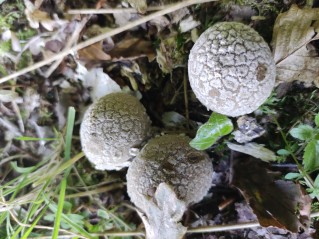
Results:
316 182
291 176
283 152
311 155
317 119
218 125
302 132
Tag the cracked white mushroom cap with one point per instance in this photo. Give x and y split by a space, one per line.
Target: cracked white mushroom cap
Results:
168 166
111 128
231 69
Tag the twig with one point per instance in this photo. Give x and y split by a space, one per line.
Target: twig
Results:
113 10
219 228
102 36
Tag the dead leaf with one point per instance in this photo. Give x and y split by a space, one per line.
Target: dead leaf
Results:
168 55
54 45
132 71
124 18
139 5
132 47
188 24
8 96
255 150
294 55
93 52
275 202
248 129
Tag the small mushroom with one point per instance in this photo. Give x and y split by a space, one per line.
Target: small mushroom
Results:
231 69
165 177
111 128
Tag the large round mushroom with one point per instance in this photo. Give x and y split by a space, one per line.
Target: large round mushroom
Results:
172 160
165 177
111 127
231 69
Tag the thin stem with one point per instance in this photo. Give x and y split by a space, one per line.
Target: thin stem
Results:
170 9
219 228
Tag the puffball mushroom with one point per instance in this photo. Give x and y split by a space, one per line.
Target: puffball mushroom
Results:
164 178
231 69
111 127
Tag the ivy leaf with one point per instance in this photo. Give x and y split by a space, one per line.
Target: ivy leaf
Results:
311 155
302 132
217 126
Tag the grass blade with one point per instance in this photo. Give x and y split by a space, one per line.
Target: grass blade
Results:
67 155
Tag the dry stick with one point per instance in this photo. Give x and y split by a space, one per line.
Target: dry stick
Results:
113 10
169 9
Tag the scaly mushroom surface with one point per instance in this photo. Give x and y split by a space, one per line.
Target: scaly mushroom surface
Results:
168 166
231 69
111 127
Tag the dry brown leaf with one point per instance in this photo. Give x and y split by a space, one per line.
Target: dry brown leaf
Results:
275 202
94 52
54 45
294 55
133 48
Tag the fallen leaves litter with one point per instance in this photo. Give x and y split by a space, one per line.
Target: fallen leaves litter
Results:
133 47
276 203
295 56
94 52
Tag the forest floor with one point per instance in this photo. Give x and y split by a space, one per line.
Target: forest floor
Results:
57 57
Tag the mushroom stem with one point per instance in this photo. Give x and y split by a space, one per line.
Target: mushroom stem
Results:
162 214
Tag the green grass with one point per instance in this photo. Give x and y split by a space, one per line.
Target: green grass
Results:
42 200
67 153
